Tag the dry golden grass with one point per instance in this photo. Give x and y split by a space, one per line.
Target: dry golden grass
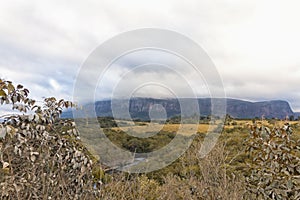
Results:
189 129
265 122
184 129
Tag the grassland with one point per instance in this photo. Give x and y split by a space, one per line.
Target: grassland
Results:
219 175
228 160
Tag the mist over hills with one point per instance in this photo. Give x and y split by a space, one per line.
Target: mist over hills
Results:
139 108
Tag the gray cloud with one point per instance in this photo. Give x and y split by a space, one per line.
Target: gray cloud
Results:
254 46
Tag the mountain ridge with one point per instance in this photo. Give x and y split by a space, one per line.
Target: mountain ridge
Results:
139 108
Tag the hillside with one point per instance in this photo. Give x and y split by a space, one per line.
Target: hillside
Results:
139 108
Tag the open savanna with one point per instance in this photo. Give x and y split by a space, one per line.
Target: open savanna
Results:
185 129
233 135
189 129
221 173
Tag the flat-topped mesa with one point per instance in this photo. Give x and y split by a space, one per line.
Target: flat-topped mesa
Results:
139 108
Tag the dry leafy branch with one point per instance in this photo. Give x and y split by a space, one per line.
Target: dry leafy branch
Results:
275 166
41 156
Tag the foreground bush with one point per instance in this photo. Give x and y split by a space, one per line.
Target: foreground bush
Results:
275 166
40 157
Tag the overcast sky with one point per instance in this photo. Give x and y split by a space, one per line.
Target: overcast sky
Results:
254 44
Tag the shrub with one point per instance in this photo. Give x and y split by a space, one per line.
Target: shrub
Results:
275 165
41 156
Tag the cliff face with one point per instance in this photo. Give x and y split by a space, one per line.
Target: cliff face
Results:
268 109
139 108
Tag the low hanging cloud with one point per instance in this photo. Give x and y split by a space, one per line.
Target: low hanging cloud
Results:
254 45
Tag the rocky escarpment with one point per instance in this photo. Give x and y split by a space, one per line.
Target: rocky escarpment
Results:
139 108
